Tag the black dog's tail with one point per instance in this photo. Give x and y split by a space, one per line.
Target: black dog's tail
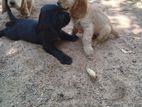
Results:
11 16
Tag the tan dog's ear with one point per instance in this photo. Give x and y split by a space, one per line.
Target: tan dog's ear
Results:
24 8
79 9
3 6
23 4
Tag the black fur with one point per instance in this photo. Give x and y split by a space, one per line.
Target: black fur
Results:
46 31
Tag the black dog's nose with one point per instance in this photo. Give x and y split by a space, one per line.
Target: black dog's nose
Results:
12 3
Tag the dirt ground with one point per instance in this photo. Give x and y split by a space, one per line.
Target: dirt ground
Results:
30 77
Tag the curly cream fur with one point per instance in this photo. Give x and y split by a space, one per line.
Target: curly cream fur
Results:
93 23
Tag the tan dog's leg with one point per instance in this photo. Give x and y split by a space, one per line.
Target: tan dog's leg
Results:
24 9
75 27
116 34
30 5
74 30
103 35
87 40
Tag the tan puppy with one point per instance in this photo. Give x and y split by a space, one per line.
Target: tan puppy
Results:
24 6
89 19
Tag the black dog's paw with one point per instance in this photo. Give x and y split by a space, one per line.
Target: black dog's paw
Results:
62 57
66 60
71 38
68 37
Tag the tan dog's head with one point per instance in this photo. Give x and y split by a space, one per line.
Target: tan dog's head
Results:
66 4
78 8
12 3
15 3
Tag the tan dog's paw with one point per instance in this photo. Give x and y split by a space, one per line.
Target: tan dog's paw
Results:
115 33
25 14
95 43
88 51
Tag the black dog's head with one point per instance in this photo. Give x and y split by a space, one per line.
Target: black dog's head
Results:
53 16
62 19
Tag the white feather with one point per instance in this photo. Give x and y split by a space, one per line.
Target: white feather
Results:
91 73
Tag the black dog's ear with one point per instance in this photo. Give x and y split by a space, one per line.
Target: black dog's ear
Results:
45 20
42 23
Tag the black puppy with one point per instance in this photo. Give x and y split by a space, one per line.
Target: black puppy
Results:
45 31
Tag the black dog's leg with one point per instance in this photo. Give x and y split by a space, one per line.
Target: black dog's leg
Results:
49 46
65 36
63 58
9 33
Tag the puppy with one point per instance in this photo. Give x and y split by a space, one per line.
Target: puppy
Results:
89 19
24 6
47 31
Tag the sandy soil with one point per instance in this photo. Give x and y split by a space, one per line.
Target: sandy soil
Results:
29 77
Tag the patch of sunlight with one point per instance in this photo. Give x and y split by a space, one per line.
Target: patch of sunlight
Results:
112 3
91 1
138 5
11 51
136 38
136 29
122 21
0 9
